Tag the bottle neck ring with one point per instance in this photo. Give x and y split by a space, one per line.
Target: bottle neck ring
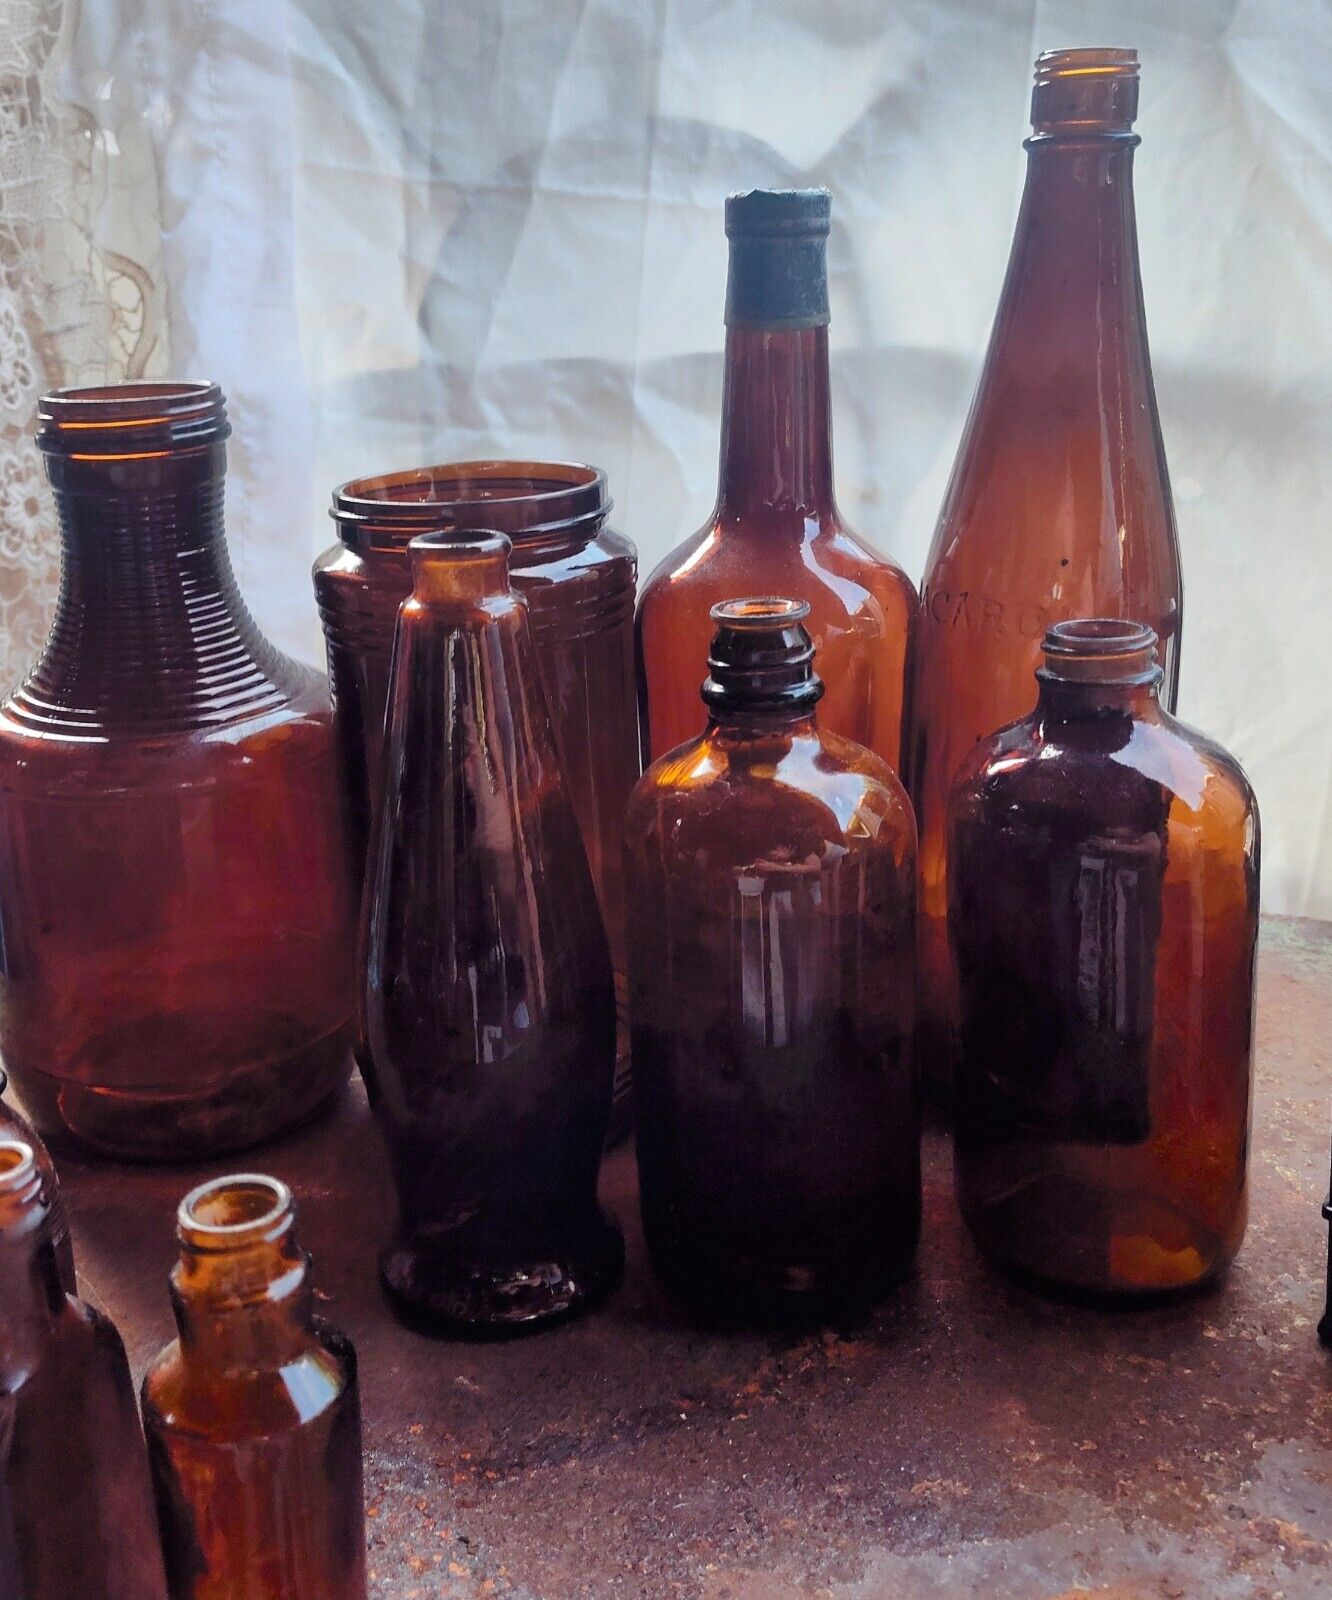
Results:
129 422
537 504
761 663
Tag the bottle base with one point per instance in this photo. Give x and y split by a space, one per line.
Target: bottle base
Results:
795 1300
1104 1297
439 1292
252 1104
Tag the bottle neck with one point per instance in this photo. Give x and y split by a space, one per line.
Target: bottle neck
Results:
1059 701
31 1293
761 727
150 628
1072 300
776 438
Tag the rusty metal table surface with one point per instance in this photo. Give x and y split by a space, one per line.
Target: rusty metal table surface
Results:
968 1439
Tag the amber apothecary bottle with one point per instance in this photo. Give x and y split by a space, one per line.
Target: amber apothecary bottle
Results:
489 1010
1103 912
771 870
776 527
253 1414
14 1125
174 905
577 575
1059 504
76 1509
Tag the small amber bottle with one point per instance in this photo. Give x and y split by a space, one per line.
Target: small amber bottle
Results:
1103 914
14 1125
76 1508
253 1415
488 1010
771 870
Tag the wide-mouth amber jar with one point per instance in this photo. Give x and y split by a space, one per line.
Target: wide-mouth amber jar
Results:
578 577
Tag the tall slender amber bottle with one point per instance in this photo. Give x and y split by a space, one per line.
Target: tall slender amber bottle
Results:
772 884
488 1014
1059 504
174 905
76 1508
253 1414
776 527
1103 911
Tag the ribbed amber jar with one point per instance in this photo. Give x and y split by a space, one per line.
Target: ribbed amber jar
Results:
174 906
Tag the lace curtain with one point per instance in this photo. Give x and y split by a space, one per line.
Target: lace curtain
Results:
72 309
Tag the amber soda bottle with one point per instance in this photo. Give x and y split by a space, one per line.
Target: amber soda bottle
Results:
174 903
578 576
1059 504
488 1013
772 878
1103 913
776 527
76 1508
14 1125
253 1413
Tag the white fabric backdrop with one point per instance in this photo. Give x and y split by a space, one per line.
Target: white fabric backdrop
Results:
405 231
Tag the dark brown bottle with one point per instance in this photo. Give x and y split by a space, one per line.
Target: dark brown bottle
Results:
776 527
1103 913
578 576
1059 504
14 1125
489 1011
772 875
253 1414
76 1509
174 904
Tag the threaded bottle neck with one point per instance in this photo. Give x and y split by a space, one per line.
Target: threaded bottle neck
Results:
1084 93
1093 664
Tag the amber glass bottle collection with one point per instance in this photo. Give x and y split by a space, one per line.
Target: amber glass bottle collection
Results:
188 823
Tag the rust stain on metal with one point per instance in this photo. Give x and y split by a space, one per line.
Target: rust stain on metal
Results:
968 1439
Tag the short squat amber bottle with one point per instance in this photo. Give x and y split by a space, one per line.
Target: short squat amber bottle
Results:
578 577
771 871
1103 912
1059 504
776 527
174 905
76 1508
488 1008
253 1414
14 1125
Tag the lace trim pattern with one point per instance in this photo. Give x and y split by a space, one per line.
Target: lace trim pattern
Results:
71 311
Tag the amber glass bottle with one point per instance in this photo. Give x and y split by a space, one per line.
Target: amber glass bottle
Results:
253 1415
771 870
174 906
76 1509
578 577
489 1010
1059 504
14 1125
776 527
1103 912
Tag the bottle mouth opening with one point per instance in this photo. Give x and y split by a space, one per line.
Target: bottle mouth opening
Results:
127 420
760 612
233 1212
528 500
1108 650
18 1166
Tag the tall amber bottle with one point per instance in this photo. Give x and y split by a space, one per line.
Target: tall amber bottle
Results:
1059 504
174 905
772 882
578 576
76 1509
1103 911
488 1013
253 1414
776 527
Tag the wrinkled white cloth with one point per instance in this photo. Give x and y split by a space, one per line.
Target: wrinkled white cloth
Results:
405 231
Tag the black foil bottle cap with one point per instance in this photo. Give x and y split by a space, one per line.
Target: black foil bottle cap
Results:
778 272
